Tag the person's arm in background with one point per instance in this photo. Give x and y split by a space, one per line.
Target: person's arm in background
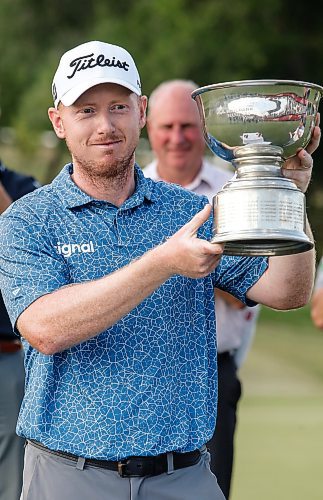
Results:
14 185
5 199
317 298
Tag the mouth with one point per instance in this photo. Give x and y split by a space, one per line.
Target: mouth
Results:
181 151
106 140
107 144
179 148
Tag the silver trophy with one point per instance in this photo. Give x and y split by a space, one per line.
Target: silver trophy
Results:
257 125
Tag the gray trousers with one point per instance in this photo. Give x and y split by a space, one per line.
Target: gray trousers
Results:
12 377
50 477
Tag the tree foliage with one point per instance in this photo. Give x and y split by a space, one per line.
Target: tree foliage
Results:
207 41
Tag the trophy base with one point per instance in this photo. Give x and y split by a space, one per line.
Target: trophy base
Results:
262 247
260 212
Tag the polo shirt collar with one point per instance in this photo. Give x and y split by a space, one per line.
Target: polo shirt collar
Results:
72 196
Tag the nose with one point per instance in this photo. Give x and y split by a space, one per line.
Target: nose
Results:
105 123
177 135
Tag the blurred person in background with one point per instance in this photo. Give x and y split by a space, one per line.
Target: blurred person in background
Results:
176 138
317 298
13 185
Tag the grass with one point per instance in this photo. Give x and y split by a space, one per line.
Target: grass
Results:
279 452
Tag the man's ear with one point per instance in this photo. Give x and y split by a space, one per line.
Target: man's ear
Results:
143 109
55 118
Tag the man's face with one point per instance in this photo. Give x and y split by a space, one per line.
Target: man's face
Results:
175 133
102 129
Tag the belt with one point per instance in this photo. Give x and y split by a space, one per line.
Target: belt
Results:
10 346
133 466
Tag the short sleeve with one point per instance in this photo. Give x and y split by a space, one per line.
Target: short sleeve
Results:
29 263
237 274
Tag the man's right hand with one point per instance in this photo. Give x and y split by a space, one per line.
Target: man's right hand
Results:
185 254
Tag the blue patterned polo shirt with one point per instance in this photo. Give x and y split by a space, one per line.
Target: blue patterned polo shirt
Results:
146 385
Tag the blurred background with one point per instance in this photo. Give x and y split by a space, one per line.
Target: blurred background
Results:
209 41
280 432
279 438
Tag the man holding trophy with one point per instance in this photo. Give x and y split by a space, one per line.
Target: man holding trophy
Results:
118 332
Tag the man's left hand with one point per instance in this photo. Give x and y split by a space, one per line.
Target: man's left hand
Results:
299 167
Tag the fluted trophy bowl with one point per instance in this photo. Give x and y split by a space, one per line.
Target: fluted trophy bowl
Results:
257 125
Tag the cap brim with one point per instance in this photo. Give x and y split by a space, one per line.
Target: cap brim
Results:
72 95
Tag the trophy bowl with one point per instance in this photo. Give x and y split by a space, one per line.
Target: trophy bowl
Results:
257 125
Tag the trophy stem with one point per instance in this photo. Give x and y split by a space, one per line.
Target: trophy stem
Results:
258 160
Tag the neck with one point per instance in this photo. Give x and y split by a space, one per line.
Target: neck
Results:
115 190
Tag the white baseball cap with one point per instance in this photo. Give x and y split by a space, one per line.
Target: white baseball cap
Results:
88 65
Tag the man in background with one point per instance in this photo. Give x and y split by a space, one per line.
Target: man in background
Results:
13 185
176 138
317 299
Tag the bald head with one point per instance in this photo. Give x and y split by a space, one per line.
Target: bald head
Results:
174 130
183 88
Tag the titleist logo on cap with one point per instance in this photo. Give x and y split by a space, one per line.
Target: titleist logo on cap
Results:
91 64
88 61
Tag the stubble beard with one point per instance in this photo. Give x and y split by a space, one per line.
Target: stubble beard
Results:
107 173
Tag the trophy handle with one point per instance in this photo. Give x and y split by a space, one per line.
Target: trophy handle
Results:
219 149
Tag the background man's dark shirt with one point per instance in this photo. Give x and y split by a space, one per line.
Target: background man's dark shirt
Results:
16 185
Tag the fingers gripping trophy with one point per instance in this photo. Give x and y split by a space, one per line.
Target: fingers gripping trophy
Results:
257 125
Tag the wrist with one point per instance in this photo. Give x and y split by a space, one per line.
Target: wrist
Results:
161 260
